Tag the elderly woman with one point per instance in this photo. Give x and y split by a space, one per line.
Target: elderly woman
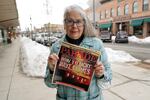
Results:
79 31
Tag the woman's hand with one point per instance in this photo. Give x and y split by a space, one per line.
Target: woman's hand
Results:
52 60
99 69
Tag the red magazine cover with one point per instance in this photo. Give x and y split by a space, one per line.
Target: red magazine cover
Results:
75 66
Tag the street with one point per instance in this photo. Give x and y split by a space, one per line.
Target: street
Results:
139 51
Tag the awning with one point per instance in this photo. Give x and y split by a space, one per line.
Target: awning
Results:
147 20
108 25
137 22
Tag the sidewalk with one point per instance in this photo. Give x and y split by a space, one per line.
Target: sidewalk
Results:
14 85
129 82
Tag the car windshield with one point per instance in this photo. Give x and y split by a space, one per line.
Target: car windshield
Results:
122 33
104 32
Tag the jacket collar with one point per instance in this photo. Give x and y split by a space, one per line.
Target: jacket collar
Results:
87 42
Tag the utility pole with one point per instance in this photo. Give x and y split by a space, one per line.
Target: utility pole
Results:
48 12
94 13
30 35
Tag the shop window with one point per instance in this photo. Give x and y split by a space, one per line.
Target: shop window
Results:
138 30
1 36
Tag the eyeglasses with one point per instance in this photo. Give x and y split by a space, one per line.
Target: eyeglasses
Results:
71 22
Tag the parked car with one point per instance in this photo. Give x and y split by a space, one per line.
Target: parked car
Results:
122 37
33 36
58 34
45 38
106 36
52 40
38 37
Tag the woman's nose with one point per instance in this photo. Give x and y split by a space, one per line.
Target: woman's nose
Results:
74 24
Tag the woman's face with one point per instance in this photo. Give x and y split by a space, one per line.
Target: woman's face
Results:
74 25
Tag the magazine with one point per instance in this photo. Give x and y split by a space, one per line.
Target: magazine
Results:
75 66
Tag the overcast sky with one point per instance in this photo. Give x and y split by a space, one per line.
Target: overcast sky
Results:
37 10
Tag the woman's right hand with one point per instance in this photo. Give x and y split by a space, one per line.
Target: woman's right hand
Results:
52 60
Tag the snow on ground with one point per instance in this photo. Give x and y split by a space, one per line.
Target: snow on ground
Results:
119 56
134 39
34 57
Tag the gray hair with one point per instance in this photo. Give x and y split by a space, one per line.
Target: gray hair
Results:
89 30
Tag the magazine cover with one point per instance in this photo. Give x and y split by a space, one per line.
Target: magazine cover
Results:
75 66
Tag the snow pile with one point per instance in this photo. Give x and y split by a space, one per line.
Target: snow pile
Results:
33 57
119 56
134 39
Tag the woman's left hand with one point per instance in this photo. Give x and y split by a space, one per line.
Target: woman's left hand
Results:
99 69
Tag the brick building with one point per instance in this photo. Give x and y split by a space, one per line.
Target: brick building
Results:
132 16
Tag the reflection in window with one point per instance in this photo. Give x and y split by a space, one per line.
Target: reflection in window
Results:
145 5
135 7
118 11
126 9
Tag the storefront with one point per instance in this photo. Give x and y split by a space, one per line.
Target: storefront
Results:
137 27
3 35
1 38
106 26
141 27
122 26
146 29
121 23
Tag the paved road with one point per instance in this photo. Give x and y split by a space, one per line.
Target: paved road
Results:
138 51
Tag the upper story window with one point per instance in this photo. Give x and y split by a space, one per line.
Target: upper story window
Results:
145 5
107 13
126 9
135 7
118 11
112 12
102 15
